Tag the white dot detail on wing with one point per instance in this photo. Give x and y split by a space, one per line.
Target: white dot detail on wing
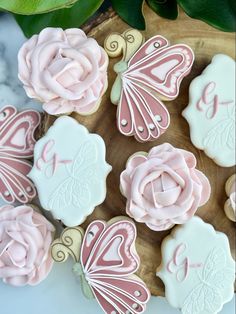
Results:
158 118
137 293
140 128
151 126
124 122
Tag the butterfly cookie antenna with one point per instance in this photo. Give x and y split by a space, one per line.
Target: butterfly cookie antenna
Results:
126 43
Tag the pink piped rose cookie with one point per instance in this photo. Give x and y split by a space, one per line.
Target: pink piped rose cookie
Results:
65 70
163 187
25 240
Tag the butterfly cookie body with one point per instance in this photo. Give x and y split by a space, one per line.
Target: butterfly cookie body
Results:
70 171
105 262
211 111
197 268
17 131
146 74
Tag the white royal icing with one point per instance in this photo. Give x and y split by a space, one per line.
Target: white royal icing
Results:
197 268
70 171
211 110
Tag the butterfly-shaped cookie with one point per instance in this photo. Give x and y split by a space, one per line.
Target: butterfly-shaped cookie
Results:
16 145
105 261
146 70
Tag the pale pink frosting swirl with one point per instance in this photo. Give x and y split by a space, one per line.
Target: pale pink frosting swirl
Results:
25 240
64 69
163 187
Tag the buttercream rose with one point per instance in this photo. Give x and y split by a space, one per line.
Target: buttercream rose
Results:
25 240
163 187
64 69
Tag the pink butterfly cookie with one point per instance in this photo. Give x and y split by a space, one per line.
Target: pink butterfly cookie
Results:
105 261
16 145
146 73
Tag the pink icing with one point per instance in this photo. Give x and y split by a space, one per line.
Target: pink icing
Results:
51 162
64 69
155 68
181 267
109 258
17 141
209 101
163 188
105 264
25 239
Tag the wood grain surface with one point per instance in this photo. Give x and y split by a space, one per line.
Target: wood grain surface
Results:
206 42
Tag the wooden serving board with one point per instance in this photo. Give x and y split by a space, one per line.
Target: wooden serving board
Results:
205 41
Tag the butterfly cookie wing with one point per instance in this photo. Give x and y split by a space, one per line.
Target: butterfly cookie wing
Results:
17 132
160 69
14 183
140 113
121 295
109 258
151 46
113 252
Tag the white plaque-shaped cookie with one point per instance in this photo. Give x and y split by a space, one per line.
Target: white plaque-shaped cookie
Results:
211 110
197 268
70 171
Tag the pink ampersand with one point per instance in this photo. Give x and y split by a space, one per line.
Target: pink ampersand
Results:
52 161
210 99
179 266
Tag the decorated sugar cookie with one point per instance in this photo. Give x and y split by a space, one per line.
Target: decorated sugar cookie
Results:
105 262
70 171
25 241
17 141
197 268
163 187
64 70
211 111
230 204
147 73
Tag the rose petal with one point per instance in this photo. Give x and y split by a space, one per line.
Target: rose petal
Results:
16 281
64 87
160 227
205 188
17 253
25 242
51 34
167 198
135 211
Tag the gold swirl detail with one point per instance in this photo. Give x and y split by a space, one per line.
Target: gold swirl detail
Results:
126 43
69 244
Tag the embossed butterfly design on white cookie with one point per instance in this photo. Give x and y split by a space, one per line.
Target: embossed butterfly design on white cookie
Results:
197 268
70 171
